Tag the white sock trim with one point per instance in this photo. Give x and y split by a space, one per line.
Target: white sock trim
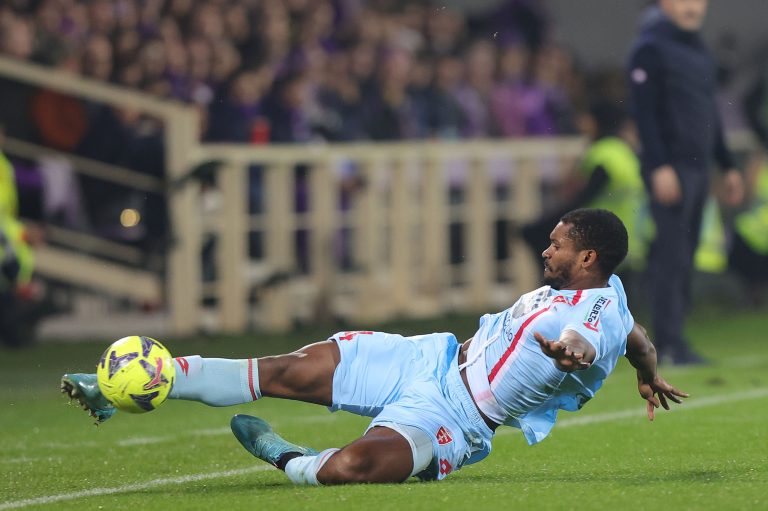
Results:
249 379
304 469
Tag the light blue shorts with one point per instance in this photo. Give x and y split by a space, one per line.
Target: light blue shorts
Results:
412 381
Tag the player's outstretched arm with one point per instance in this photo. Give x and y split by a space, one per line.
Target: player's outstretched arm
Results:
653 388
572 352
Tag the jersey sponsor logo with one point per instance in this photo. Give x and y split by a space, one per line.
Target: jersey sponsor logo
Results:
348 336
445 467
184 365
592 321
443 436
593 326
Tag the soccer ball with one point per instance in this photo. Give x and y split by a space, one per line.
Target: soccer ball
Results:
135 374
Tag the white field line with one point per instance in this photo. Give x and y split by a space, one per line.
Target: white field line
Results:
639 411
28 459
148 440
589 419
95 492
144 440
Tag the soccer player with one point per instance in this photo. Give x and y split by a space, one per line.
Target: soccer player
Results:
436 403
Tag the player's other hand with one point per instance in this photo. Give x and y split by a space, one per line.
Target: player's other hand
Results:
657 392
666 186
733 187
566 358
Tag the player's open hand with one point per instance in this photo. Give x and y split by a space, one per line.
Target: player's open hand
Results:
566 358
657 392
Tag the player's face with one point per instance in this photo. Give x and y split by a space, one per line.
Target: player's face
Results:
561 258
686 14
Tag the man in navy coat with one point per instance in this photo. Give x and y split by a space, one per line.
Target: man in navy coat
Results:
672 81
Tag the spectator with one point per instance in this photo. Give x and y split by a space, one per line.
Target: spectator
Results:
748 256
239 115
445 116
16 262
390 109
475 95
190 51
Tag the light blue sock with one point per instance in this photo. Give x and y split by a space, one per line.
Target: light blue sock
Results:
304 469
216 381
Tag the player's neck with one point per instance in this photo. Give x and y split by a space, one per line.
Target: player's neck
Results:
585 283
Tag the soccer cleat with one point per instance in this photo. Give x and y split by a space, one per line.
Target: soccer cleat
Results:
258 439
85 389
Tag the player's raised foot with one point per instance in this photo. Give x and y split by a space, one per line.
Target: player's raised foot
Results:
258 439
84 389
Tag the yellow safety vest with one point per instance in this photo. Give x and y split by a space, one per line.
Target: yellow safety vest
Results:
624 195
710 256
752 224
9 199
12 242
13 245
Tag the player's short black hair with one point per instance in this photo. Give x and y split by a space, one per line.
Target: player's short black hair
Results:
599 230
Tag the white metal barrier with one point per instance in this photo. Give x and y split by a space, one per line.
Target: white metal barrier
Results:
388 251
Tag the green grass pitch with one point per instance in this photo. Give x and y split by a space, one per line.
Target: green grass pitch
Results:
710 453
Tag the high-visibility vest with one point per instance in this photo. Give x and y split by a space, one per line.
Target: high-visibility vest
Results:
14 250
624 195
711 253
752 224
9 199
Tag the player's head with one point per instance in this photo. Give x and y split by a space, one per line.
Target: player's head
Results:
686 14
585 247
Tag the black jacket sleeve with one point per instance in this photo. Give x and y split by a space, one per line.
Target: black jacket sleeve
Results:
645 87
722 154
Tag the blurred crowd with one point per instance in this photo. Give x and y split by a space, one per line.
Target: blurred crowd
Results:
299 70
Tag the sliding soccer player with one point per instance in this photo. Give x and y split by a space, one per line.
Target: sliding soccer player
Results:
436 403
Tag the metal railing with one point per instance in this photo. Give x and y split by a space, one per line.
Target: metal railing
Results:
425 231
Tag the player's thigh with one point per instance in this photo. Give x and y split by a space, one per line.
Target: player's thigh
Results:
373 370
382 455
305 375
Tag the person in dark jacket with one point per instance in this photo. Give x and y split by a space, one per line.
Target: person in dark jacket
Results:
672 81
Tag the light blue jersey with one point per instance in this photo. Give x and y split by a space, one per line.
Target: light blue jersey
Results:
416 381
514 383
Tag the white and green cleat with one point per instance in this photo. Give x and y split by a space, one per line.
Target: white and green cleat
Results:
85 390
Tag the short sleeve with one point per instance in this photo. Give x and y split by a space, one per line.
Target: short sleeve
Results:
586 320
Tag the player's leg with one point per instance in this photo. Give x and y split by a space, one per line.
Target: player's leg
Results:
304 375
382 455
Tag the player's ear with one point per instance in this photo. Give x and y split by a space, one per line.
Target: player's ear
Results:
589 259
